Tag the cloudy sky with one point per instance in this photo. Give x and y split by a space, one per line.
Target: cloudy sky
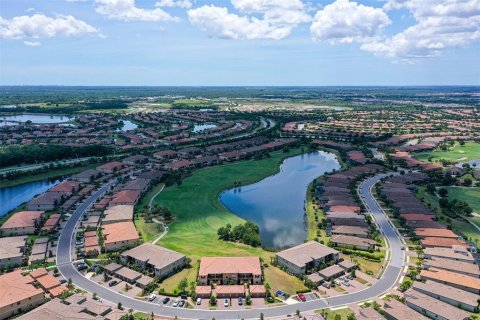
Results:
240 42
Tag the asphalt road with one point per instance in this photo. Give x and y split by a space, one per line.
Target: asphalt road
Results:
388 279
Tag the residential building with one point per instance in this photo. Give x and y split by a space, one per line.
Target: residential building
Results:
118 213
433 308
395 310
456 253
119 235
125 197
453 279
12 250
161 261
465 268
356 242
22 223
230 270
448 294
18 294
304 257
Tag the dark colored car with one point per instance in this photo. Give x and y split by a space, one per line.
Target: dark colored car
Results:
165 300
112 283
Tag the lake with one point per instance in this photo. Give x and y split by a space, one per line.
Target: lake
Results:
12 197
276 204
128 125
201 127
35 118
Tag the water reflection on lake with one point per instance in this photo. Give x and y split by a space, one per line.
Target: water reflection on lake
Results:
34 118
201 127
12 197
276 204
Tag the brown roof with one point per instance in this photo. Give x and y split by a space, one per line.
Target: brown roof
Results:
155 255
203 290
14 287
120 231
230 265
441 242
234 289
126 196
66 186
22 219
451 277
441 233
451 265
110 165
257 288
48 282
38 273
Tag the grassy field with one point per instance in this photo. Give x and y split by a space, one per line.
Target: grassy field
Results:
469 195
333 314
44 175
457 153
148 231
457 225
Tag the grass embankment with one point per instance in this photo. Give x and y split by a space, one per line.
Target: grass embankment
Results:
334 314
456 153
44 175
457 225
199 213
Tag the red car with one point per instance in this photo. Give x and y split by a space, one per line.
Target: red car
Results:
301 296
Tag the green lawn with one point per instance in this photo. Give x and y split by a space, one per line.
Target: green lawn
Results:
332 314
457 153
44 175
199 214
469 195
461 226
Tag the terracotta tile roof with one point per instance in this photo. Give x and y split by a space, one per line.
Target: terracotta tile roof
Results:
14 287
66 186
451 277
120 231
231 265
22 219
233 289
441 233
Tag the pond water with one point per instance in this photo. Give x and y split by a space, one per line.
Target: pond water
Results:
128 125
35 118
12 197
277 203
201 127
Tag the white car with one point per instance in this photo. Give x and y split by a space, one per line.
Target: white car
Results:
199 301
226 303
152 297
175 303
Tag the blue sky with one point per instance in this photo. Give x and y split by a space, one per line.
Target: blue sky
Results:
240 42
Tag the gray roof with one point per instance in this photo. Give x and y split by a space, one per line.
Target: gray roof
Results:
306 252
435 306
155 255
446 291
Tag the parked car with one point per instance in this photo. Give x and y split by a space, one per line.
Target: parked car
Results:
152 297
112 283
346 284
175 303
181 303
240 301
327 285
183 296
62 281
226 303
82 267
302 297
199 301
166 300
337 282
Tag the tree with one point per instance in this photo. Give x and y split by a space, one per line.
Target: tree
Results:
183 285
213 299
351 316
443 192
119 306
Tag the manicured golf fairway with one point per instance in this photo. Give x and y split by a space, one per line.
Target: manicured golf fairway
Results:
457 153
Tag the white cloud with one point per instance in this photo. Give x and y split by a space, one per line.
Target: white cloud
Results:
279 17
187 4
439 26
41 26
126 10
32 43
344 22
30 9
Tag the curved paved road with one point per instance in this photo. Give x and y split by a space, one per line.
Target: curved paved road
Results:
388 279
